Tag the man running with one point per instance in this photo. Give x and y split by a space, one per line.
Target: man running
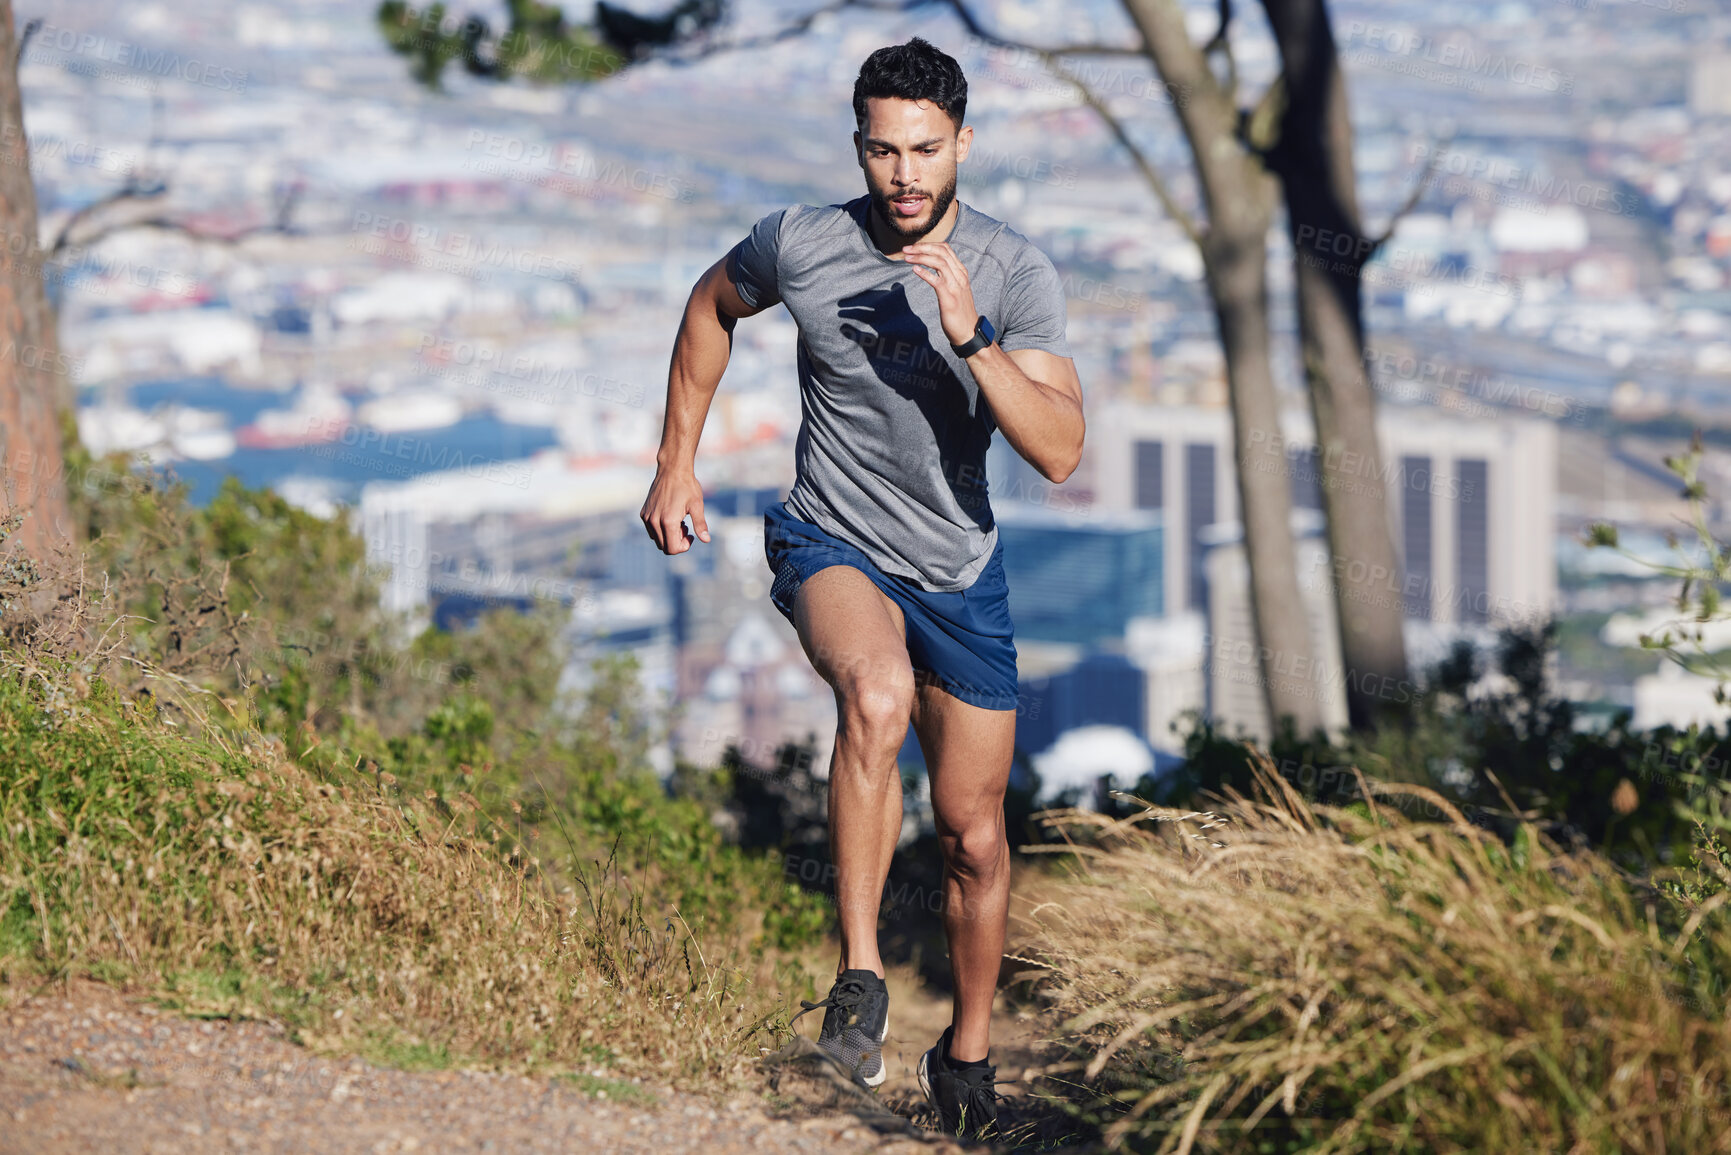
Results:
924 326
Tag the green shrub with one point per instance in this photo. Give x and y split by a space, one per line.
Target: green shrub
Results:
227 777
366 916
1615 789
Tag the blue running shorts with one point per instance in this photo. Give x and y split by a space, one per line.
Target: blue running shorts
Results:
961 641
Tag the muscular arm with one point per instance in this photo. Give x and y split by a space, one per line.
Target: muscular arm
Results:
1036 399
700 354
1035 396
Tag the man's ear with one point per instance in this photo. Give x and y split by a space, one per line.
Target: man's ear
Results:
858 152
964 140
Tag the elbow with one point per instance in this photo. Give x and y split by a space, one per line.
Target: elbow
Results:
1058 467
1058 471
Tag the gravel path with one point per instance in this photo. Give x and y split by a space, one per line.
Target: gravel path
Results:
86 1069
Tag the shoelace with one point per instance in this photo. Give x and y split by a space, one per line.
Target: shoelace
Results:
980 1096
985 1093
847 995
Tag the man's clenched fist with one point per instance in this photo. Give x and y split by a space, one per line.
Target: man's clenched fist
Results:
671 498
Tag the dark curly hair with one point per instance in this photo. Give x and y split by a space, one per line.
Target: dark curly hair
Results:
916 70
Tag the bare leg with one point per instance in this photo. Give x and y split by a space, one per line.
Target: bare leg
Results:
968 751
854 635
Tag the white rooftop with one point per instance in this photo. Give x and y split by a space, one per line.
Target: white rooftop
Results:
548 484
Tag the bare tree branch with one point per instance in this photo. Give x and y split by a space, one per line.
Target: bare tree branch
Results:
803 24
132 192
798 27
1048 54
140 190
1424 179
981 32
1140 159
31 27
281 222
1050 57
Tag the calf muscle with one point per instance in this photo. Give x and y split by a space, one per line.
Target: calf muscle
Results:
854 636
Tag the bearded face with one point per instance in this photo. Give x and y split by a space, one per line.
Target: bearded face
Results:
909 150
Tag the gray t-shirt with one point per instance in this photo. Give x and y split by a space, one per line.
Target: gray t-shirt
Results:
891 455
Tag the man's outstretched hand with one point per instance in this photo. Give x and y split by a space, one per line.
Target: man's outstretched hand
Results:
671 497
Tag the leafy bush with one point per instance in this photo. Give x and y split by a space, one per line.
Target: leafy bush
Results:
1478 742
538 44
234 782
233 881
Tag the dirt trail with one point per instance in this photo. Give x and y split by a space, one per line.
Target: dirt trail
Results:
919 1014
88 1069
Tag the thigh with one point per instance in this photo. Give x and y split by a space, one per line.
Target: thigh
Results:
850 629
968 751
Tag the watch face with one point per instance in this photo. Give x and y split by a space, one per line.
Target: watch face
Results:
986 331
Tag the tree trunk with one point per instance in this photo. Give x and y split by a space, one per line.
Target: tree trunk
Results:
1239 199
34 387
1237 271
1313 158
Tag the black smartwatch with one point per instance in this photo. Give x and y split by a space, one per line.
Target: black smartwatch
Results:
984 335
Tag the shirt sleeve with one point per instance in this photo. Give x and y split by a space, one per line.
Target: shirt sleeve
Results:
751 264
1035 314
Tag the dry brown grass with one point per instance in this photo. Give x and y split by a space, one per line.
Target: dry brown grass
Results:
152 837
1275 975
235 883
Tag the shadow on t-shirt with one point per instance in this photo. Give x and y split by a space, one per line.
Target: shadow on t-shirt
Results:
898 346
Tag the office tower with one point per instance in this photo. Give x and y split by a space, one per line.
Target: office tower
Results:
1472 503
1080 577
1103 689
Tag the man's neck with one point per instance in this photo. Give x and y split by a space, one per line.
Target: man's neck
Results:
890 242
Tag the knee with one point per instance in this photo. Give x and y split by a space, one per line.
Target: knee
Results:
875 709
977 851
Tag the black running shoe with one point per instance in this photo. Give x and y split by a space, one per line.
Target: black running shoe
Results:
966 1098
855 1024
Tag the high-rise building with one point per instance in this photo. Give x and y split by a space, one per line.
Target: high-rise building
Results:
1080 577
1103 689
1472 503
1171 460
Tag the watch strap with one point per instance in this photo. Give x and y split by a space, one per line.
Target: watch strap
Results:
983 336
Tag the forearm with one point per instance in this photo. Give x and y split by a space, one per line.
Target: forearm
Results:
700 355
1034 394
1042 423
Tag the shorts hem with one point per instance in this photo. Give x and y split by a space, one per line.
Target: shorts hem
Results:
985 699
980 672
789 589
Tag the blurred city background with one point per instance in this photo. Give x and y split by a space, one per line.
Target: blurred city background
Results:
446 311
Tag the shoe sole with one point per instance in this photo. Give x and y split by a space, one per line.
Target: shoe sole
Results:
875 1081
